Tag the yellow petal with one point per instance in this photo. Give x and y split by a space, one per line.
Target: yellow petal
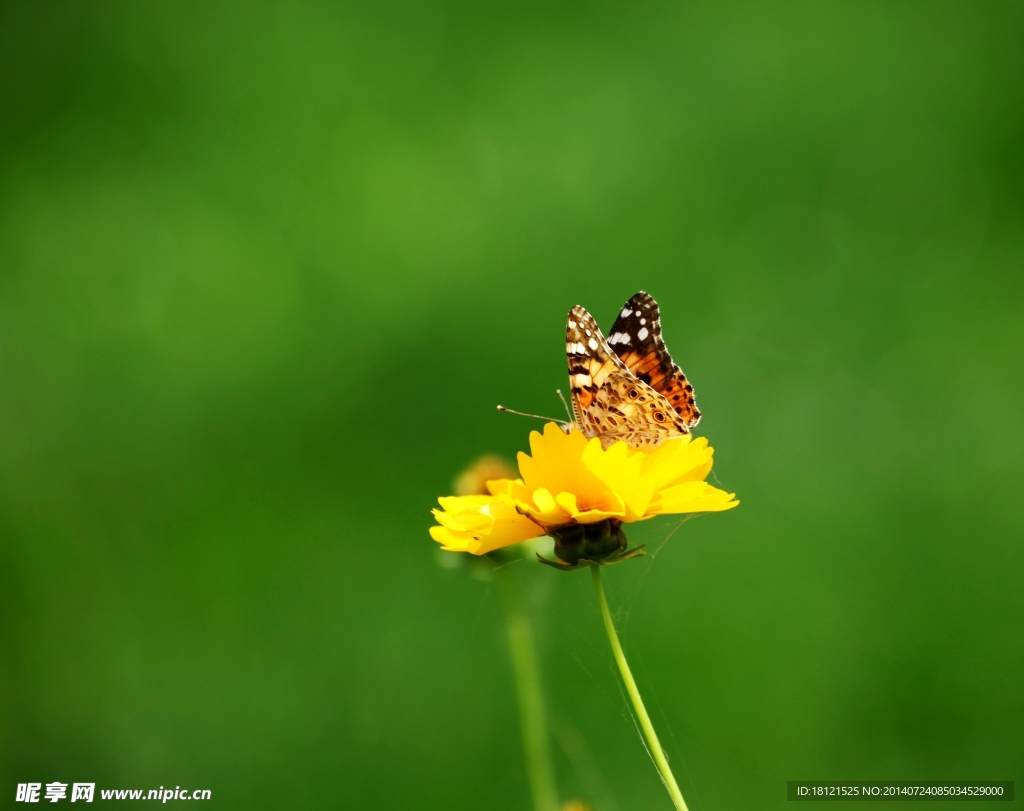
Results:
509 528
523 500
450 541
618 468
544 500
541 506
462 513
461 522
692 497
610 507
567 501
498 486
555 464
459 503
677 461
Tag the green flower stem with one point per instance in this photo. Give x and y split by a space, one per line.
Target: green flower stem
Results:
653 745
536 744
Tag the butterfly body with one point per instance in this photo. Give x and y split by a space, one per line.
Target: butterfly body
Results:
627 388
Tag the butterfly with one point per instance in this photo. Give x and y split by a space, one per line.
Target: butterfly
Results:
627 387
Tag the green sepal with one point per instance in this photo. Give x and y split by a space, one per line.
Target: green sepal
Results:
583 563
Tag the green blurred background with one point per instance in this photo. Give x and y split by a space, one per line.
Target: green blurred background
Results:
265 270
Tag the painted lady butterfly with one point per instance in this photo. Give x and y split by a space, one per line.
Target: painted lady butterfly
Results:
627 387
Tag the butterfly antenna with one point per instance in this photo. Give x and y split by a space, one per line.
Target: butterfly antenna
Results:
535 416
561 397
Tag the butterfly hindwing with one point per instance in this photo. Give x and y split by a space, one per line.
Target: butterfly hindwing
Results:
608 400
636 340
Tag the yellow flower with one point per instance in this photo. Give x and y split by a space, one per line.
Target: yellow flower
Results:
579 493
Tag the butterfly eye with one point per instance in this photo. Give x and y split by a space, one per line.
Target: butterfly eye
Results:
633 394
659 416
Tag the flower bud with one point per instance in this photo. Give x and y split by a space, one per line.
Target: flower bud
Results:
473 480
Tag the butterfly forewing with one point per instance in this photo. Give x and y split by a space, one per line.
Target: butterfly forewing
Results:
636 340
590 361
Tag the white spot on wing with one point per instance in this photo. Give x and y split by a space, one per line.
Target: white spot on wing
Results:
643 320
626 313
592 343
643 333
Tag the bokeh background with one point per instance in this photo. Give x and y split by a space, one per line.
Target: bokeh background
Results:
265 271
